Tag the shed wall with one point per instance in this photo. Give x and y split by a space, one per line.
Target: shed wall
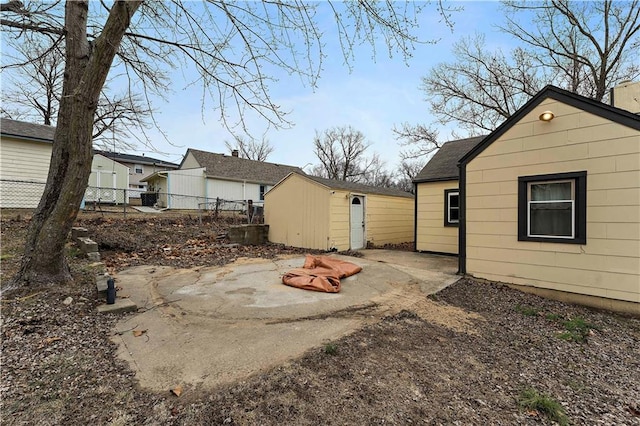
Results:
431 234
389 220
608 265
339 222
186 188
297 212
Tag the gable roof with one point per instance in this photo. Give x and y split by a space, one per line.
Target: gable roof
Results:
355 187
136 159
592 106
444 164
241 169
28 131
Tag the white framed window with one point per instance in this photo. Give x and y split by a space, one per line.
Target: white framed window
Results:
137 168
553 208
263 189
451 207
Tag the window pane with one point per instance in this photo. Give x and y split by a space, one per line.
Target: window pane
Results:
550 191
454 200
551 219
453 215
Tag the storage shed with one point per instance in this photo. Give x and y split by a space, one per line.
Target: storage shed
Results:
550 200
316 213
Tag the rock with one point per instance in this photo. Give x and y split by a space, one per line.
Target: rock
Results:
67 301
87 245
79 232
94 256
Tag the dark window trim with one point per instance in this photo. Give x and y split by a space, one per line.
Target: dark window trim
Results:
580 179
446 207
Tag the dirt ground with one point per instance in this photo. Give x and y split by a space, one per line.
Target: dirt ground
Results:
466 355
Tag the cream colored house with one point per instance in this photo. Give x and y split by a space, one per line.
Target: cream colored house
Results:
324 214
550 201
25 153
437 198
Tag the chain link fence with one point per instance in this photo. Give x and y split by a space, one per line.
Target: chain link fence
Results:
24 194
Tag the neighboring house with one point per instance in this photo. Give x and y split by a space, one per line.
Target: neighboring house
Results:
316 213
204 177
140 166
25 153
437 198
550 200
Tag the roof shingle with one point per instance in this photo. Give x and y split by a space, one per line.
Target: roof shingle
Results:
136 159
22 129
241 169
359 187
444 164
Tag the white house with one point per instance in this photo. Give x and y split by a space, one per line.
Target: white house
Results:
204 177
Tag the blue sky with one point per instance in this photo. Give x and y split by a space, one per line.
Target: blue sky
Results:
372 97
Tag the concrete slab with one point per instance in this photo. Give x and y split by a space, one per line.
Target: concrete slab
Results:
146 209
120 306
207 326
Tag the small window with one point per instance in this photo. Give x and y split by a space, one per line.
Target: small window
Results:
552 208
138 169
451 207
355 200
263 189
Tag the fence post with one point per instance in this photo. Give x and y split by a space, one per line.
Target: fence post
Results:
217 207
124 202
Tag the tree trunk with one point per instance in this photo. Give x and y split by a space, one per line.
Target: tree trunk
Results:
86 69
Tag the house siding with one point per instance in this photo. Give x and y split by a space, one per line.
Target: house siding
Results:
297 214
190 162
431 234
608 265
23 161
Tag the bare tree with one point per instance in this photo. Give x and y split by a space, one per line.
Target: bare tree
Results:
342 154
32 92
251 148
584 47
591 46
409 169
228 43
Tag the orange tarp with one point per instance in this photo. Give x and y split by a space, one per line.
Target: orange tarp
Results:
320 273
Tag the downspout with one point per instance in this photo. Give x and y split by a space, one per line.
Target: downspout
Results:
462 228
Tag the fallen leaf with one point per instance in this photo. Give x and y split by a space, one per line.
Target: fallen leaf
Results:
138 333
533 413
177 391
50 340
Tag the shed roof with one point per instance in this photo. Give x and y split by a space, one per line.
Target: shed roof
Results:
444 164
236 168
24 130
359 187
136 159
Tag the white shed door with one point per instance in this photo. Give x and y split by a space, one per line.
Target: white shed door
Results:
357 222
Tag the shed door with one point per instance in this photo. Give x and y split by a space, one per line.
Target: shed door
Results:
357 222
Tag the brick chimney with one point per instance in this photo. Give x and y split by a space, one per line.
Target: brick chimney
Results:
234 153
626 95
